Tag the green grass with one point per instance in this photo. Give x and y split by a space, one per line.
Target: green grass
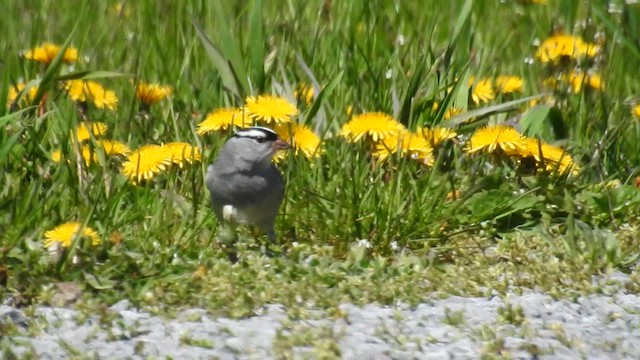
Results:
506 231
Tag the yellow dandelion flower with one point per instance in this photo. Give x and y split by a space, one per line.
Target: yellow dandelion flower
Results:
579 78
120 9
27 98
181 152
46 52
550 82
145 163
612 184
279 156
437 135
149 94
112 147
407 144
509 84
451 112
90 155
304 93
544 100
97 129
481 90
91 91
116 238
553 157
223 119
349 111
64 234
75 90
636 111
200 273
556 47
302 138
453 195
270 109
56 156
374 125
496 138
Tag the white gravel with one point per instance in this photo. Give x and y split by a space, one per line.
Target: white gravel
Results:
593 327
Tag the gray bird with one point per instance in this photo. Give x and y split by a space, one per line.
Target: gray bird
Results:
244 184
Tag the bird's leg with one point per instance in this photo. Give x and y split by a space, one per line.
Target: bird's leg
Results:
227 237
228 234
272 240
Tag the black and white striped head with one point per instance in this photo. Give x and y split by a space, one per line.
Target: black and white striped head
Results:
256 144
257 133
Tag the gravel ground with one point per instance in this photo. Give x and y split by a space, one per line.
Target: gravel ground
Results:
531 325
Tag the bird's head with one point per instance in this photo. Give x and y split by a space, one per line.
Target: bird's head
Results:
257 144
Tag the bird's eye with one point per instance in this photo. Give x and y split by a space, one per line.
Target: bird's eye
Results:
260 140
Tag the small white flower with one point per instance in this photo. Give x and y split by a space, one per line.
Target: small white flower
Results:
388 74
400 40
394 245
364 243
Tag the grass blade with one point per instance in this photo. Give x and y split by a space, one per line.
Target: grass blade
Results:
231 47
322 98
410 93
461 21
256 46
486 111
629 44
88 75
50 74
219 61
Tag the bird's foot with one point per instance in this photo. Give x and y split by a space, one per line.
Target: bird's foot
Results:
268 252
227 235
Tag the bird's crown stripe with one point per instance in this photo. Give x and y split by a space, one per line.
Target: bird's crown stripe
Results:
251 133
256 132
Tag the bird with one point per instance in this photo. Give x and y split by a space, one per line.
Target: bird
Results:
244 184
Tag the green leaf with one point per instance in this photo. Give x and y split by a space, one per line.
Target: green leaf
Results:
219 61
533 122
97 282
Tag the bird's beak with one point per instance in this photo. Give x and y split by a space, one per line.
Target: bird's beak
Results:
281 145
